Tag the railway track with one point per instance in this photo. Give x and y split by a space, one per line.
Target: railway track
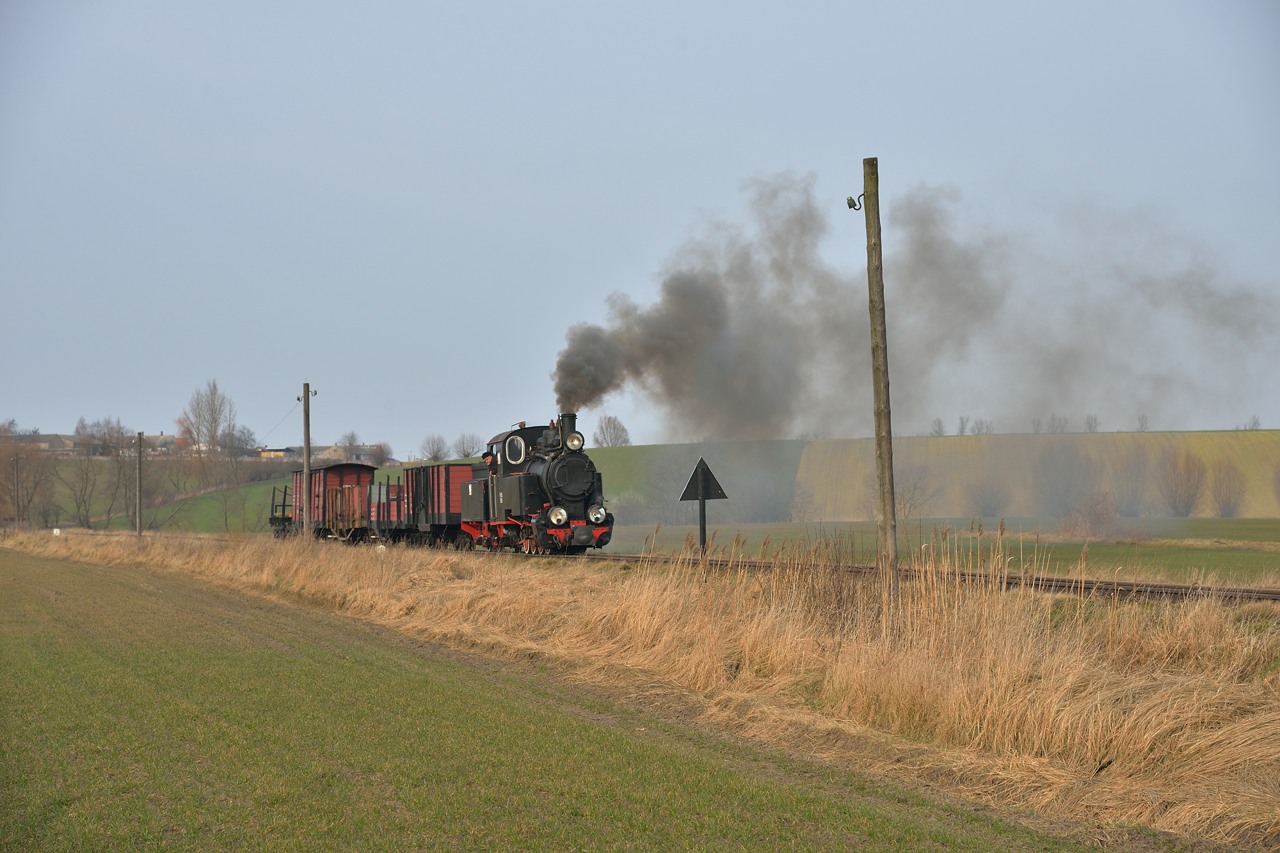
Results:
1085 587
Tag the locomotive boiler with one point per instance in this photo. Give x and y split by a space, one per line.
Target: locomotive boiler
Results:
540 492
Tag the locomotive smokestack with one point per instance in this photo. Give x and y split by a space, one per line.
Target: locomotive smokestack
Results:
568 423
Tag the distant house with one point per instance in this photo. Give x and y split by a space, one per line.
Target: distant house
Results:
162 443
366 453
280 452
58 445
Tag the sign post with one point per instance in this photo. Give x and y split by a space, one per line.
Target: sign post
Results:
703 486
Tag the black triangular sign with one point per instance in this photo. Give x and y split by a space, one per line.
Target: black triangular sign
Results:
711 489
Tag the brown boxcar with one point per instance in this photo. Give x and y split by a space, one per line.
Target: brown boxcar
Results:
339 502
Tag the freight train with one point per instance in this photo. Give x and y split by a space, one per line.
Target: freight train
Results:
535 490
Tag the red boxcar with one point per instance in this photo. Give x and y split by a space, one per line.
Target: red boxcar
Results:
339 502
422 505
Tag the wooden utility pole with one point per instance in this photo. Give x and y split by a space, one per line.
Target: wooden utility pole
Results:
306 459
887 551
17 518
137 491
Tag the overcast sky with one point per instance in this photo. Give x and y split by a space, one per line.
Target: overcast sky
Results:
409 205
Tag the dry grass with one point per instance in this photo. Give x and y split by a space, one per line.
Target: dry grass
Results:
1165 715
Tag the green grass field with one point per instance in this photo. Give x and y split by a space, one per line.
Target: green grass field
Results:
1242 550
148 710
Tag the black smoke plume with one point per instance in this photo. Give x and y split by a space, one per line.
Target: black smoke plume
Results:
747 330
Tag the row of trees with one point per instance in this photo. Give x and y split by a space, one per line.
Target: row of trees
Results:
26 472
1069 484
436 448
96 483
1055 424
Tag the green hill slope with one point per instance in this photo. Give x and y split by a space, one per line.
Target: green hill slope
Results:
1037 475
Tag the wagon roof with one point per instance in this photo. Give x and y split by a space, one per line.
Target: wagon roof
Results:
338 465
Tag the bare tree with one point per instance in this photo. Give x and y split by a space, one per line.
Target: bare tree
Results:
79 476
1253 423
9 454
983 426
1065 477
1129 482
209 426
988 496
379 454
168 488
123 455
90 472
1057 424
209 417
1094 517
1227 489
962 428
1142 423
29 472
802 503
914 490
239 440
1180 482
937 428
350 444
610 433
434 448
1091 423
467 445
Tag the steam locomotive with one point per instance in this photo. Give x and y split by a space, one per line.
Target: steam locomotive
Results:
535 490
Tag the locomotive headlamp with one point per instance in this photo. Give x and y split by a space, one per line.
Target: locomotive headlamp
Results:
574 441
596 514
558 516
